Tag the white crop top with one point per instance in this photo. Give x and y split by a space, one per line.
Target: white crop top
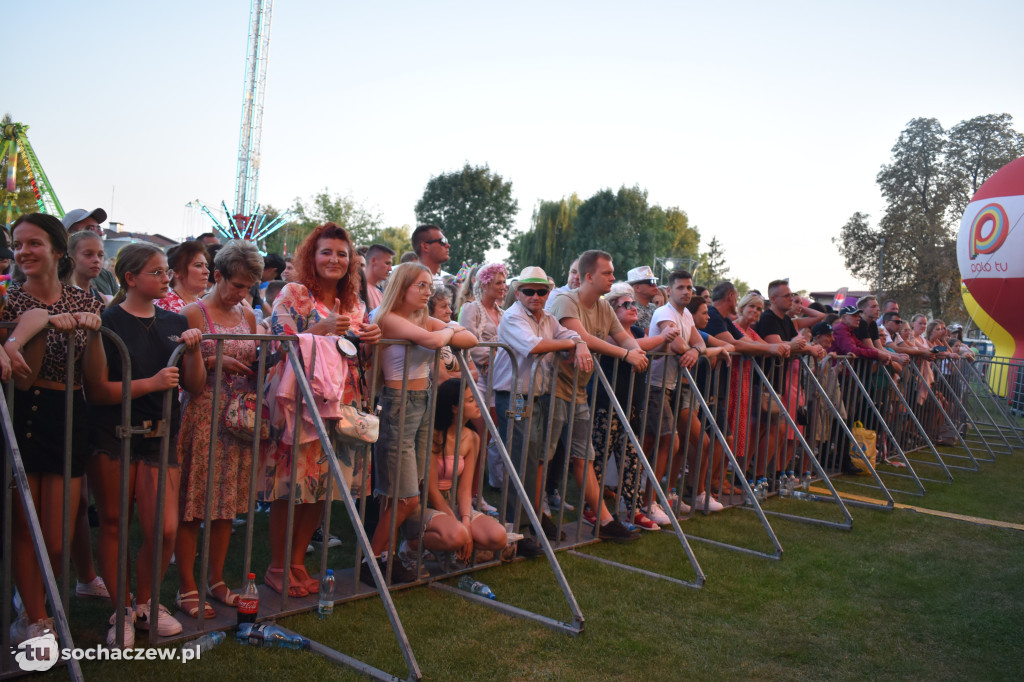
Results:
393 357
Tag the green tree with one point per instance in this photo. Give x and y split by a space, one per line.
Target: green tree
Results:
398 238
474 207
545 244
712 268
632 231
976 149
323 207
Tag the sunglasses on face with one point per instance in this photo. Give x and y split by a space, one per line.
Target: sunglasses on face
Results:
443 241
533 292
627 305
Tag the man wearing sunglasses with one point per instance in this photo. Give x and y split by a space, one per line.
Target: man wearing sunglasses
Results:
431 247
530 332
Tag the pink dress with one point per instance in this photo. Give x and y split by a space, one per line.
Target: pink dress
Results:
739 399
295 310
233 456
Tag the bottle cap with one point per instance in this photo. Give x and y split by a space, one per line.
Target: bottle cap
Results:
252 576
330 571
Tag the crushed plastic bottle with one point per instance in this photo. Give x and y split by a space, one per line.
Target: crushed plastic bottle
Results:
203 644
268 635
468 584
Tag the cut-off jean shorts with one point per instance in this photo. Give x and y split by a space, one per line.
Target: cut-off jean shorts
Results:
400 454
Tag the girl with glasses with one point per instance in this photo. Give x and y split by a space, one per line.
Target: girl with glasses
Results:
150 335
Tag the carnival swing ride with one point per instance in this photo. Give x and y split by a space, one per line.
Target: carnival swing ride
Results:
247 221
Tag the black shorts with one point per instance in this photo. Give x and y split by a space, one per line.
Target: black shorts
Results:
40 427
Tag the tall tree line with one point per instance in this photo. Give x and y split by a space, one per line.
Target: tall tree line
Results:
623 223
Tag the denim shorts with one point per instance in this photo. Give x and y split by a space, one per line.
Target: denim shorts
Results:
582 446
660 420
400 454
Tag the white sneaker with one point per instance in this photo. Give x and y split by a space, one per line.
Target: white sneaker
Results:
487 508
706 501
19 630
41 627
658 515
167 625
94 588
129 629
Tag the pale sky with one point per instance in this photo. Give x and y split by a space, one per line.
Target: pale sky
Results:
766 122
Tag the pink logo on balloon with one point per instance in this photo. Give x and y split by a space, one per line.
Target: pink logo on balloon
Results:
995 215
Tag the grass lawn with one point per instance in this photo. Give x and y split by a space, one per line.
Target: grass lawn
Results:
903 596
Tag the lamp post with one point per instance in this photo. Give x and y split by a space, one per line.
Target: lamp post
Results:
670 263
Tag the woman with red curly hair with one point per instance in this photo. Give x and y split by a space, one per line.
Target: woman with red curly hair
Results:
321 300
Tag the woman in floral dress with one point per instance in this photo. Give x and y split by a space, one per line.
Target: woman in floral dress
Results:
322 300
237 267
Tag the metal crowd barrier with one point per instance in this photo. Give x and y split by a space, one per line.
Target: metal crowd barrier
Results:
999 384
754 418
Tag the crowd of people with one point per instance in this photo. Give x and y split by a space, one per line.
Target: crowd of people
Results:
539 391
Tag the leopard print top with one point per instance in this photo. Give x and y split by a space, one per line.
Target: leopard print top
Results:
72 300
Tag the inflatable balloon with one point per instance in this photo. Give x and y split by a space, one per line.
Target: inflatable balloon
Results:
990 252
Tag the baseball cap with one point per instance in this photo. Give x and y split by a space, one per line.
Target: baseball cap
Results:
641 275
821 328
849 310
79 214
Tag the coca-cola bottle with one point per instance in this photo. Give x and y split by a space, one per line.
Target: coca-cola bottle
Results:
248 601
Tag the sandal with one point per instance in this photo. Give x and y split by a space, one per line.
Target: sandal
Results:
189 603
226 597
310 583
276 583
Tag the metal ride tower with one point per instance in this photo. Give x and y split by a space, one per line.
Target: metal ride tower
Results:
14 140
247 221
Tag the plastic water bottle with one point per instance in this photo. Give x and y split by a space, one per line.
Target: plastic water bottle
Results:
805 483
753 493
248 601
520 407
468 584
801 495
783 482
268 634
204 643
326 606
762 489
791 481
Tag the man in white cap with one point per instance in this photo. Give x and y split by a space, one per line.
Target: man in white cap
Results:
80 219
530 331
645 286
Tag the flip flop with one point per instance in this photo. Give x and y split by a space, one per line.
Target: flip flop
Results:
189 603
276 583
226 597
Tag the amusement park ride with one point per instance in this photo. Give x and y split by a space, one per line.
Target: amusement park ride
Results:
14 141
246 221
